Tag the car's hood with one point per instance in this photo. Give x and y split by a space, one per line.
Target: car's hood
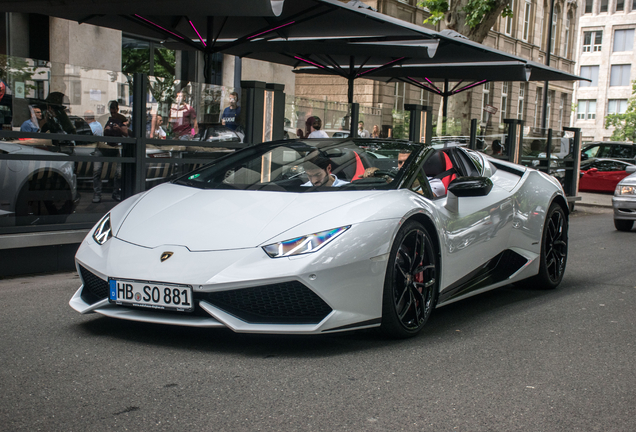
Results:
204 220
13 148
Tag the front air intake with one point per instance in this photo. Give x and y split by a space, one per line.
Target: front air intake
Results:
281 303
95 288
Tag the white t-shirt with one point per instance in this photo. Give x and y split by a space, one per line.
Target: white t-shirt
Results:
318 134
437 186
160 133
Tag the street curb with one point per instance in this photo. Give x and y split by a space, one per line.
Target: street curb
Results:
584 204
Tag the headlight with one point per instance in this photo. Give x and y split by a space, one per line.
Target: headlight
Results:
303 245
625 190
103 232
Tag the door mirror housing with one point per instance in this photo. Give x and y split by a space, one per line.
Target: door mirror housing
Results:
466 187
629 169
470 186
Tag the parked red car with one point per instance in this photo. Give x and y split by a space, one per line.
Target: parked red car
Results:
602 175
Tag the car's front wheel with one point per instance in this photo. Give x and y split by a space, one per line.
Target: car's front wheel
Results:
623 225
411 282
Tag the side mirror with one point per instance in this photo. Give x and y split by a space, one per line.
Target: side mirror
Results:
466 187
592 170
470 186
629 169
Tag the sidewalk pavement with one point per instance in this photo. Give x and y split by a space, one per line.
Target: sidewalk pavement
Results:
594 199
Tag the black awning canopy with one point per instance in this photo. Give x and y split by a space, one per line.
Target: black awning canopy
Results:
340 37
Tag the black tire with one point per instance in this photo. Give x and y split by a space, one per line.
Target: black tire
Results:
411 283
554 251
623 225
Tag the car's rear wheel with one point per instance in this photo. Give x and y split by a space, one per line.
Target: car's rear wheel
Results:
411 282
554 250
623 225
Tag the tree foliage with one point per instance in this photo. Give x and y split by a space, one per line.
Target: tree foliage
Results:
472 18
136 60
624 124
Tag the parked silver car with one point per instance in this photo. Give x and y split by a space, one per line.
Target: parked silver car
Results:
624 202
36 191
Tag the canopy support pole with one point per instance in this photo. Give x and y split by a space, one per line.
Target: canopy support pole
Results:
547 63
351 79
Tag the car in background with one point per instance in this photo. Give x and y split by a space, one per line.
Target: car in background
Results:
623 151
36 191
624 203
602 175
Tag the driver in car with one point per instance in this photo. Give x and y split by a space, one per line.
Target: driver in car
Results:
318 169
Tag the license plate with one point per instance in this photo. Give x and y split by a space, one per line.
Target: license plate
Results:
151 295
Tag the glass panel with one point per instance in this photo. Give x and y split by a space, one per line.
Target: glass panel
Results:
623 40
53 98
604 5
300 114
202 121
620 75
589 5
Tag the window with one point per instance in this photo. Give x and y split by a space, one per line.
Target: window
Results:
555 18
76 92
566 44
620 75
504 101
526 20
548 108
400 90
537 109
617 106
623 152
485 101
604 5
508 28
592 41
590 72
564 98
620 5
623 40
586 109
589 4
521 101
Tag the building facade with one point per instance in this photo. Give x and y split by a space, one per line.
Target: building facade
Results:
524 34
605 54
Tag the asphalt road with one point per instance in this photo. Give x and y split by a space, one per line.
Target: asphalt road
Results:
509 360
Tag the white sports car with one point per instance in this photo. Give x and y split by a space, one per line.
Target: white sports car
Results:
324 235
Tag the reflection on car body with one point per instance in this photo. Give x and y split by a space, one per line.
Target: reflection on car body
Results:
36 192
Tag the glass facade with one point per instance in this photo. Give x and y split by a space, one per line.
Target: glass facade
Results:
72 147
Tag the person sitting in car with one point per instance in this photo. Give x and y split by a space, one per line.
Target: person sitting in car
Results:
318 169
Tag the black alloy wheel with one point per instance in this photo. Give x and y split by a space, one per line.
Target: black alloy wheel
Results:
554 250
411 282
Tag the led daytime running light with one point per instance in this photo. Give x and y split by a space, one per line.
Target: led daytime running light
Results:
303 245
103 231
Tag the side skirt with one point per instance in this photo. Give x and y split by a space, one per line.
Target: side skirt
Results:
498 269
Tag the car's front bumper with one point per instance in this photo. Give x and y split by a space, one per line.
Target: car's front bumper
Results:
337 288
624 207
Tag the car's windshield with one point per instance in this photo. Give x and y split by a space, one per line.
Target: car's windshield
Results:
308 166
